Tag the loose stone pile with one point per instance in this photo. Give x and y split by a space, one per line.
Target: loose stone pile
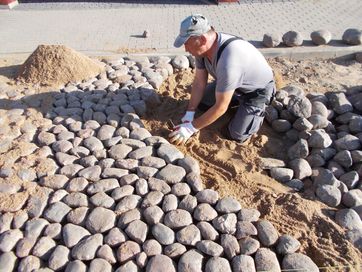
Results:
292 38
327 131
117 198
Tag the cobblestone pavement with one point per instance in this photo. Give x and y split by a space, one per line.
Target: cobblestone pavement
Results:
117 27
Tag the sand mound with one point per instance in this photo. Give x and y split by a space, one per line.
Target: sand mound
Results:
56 65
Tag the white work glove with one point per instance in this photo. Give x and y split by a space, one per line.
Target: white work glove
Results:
182 133
188 117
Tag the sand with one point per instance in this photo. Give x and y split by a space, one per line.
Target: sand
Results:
56 65
234 169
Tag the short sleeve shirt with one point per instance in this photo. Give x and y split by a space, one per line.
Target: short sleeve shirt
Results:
240 65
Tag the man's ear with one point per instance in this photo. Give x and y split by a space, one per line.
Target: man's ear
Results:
203 39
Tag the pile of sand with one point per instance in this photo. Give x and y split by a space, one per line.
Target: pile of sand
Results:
56 65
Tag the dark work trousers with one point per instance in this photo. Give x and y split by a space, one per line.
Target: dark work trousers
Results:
248 117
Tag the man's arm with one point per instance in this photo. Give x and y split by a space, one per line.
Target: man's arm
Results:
218 109
198 88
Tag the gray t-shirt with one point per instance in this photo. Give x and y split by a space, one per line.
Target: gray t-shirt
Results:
241 65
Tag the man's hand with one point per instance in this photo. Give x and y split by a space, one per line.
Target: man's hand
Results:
182 133
188 117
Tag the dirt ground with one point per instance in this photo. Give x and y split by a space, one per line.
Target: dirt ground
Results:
234 169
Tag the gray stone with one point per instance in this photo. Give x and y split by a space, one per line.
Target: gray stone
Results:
53 231
189 164
243 263
119 151
266 260
249 215
46 138
86 249
269 163
115 237
292 38
146 172
177 219
343 158
349 219
204 212
93 143
105 132
188 203
230 245
78 216
34 227
139 134
350 179
72 234
321 37
195 182
267 234
152 247
114 173
281 174
159 185
57 212
137 230
207 196
169 203
301 168
181 189
44 247
169 153
133 143
106 163
77 184
154 162
352 198
9 238
99 264
355 237
54 181
153 198
352 36
19 220
287 245
295 184
217 264
122 191
128 203
91 173
129 179
210 248
299 261
228 205
105 252
272 39
76 266
163 234
7 261
318 121
160 263
347 142
127 251
100 220
188 235
300 107
225 223
29 263
59 258
88 161
319 139
298 150
128 217
101 199
128 164
245 229
281 125
329 195
191 260
153 215
140 153
171 174
103 185
339 102
174 250
36 205
180 62
62 146
76 200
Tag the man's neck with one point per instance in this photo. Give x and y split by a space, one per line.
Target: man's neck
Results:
213 41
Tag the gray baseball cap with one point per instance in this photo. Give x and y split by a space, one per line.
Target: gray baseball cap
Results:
194 25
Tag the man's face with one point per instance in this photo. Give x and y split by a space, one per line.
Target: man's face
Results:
194 46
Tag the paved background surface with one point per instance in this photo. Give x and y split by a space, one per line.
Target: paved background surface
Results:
113 27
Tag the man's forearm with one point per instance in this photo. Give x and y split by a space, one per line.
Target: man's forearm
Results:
209 117
197 93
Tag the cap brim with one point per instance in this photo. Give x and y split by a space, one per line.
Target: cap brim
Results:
180 41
